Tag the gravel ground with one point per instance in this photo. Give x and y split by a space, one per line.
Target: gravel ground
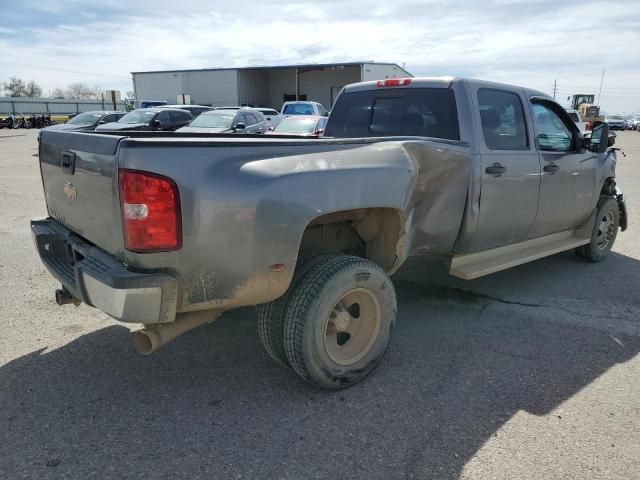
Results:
531 373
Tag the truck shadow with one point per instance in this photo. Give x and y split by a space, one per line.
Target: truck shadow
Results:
213 405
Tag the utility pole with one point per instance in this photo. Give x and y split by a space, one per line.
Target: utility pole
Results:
600 92
555 88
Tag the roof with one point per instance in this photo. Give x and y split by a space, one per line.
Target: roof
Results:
270 67
444 82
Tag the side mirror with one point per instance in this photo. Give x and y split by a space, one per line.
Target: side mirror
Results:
240 126
320 131
156 124
599 138
270 129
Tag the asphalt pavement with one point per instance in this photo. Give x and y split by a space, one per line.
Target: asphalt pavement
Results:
530 373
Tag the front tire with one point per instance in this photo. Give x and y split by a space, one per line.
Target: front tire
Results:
605 230
339 320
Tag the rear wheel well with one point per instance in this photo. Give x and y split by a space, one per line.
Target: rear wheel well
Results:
377 234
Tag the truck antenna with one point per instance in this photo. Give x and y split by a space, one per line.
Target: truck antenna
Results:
600 91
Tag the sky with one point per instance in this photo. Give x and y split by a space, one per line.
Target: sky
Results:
529 43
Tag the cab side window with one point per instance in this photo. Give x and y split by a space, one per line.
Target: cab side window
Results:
552 133
502 117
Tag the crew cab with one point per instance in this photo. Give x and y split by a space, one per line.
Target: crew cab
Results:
170 230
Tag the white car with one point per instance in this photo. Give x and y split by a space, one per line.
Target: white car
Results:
583 126
273 117
303 108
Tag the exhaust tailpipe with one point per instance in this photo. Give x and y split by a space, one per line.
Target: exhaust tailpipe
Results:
64 297
150 339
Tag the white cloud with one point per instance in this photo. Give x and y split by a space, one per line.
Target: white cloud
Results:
519 42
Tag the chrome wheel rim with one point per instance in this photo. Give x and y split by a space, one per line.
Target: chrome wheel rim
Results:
352 327
606 231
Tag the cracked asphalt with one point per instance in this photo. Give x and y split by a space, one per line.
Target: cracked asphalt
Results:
530 373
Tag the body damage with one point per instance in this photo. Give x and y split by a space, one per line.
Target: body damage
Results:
246 209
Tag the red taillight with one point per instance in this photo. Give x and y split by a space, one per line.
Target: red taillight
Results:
393 82
587 127
150 206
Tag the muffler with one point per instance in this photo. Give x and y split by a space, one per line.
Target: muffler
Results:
150 339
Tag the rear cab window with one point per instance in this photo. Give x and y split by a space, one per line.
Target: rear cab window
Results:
502 118
425 112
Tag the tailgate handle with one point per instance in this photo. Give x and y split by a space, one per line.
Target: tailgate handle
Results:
69 162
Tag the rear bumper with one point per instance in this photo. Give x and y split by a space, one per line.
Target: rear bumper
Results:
101 281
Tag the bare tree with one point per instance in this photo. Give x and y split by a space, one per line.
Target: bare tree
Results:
33 89
58 93
16 87
81 90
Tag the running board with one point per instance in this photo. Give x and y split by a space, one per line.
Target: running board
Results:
476 265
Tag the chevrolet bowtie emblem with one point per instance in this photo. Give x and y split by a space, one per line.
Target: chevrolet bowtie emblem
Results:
70 191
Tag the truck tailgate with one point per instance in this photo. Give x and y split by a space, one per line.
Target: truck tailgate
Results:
79 173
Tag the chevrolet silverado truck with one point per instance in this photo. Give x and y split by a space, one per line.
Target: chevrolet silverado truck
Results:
171 230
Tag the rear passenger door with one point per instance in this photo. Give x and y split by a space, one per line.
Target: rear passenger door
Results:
568 171
509 168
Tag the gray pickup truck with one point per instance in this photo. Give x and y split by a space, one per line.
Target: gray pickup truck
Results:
171 230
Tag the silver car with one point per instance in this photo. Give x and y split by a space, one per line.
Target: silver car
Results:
227 121
272 116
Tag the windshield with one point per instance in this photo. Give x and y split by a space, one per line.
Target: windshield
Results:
296 125
85 119
615 117
298 109
219 119
138 116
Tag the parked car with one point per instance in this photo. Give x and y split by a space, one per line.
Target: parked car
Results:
615 122
301 125
303 108
172 233
155 118
577 119
87 121
636 122
152 103
272 117
231 107
227 121
628 123
194 110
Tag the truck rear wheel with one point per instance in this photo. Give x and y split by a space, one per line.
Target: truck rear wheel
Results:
338 321
604 231
271 315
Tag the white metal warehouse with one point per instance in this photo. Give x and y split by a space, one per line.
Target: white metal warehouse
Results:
260 86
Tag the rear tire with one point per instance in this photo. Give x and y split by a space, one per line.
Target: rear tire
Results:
605 230
271 315
339 320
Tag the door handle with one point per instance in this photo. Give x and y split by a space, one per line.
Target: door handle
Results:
551 168
496 169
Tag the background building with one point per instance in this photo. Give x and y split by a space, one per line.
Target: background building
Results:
260 86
